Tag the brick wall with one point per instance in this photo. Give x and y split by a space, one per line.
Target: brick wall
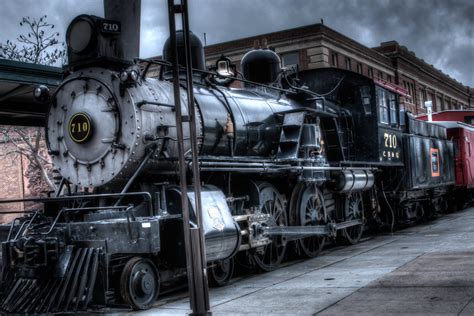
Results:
14 176
11 181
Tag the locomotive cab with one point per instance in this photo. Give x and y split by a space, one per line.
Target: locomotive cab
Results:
369 120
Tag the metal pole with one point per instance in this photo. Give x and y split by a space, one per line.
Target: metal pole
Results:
197 277
197 237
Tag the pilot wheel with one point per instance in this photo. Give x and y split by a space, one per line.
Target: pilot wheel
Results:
139 283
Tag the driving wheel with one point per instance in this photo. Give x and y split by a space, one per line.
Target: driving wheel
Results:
311 211
269 257
354 210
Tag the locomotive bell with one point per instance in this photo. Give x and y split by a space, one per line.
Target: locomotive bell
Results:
261 66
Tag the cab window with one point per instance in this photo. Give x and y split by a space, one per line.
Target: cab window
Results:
383 106
365 97
387 104
392 100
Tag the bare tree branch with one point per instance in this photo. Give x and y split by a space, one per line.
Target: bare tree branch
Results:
30 146
37 43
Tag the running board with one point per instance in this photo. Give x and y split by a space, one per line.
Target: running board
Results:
298 232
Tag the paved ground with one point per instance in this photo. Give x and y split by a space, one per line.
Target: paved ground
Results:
427 269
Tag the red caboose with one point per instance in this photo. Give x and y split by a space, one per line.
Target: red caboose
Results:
459 126
451 116
463 139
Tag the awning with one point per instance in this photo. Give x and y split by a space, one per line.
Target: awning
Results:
17 82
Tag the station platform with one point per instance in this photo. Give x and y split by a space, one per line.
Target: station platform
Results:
426 269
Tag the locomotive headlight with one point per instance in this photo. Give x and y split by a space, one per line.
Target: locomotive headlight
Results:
41 93
225 70
80 35
124 76
319 104
224 67
129 76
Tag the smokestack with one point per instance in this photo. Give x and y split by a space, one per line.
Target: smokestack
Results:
128 13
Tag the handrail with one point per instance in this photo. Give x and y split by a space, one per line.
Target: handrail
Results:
146 197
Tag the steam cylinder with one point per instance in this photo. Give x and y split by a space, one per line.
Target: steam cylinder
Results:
353 181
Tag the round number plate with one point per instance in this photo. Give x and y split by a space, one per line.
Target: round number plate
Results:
80 127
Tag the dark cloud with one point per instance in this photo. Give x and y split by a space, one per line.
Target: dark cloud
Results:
438 31
59 13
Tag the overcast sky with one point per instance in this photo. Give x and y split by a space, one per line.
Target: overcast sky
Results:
439 31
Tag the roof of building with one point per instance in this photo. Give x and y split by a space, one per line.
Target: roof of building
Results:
291 34
382 53
394 50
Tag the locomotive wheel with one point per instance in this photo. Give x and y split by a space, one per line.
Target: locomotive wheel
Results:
139 283
311 211
221 272
269 257
420 212
354 209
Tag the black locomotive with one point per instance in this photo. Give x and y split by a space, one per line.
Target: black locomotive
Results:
288 161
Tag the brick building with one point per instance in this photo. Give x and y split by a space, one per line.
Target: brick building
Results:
12 182
318 46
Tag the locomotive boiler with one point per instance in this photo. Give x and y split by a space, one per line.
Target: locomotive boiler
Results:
286 161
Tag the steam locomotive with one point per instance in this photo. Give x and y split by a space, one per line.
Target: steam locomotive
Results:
289 161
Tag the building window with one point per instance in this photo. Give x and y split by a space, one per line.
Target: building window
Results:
370 72
291 59
439 103
421 99
348 64
469 120
389 78
429 97
380 75
412 91
334 60
359 68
